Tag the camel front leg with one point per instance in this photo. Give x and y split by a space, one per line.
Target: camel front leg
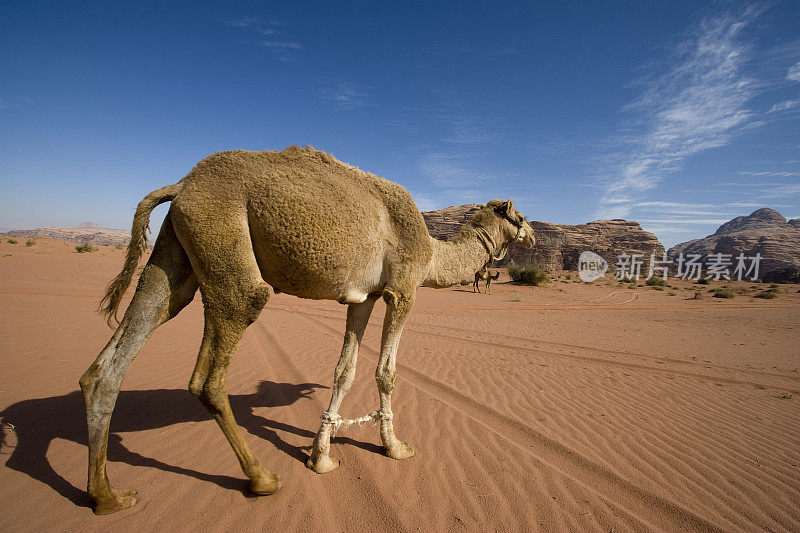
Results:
398 307
357 318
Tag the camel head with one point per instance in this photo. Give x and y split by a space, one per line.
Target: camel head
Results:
513 223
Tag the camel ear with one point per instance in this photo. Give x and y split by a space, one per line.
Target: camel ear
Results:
509 207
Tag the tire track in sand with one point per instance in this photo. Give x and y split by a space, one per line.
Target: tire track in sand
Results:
585 358
378 504
651 509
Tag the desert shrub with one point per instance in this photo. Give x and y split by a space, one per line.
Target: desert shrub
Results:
516 298
85 248
658 287
767 295
528 273
723 293
672 293
119 247
656 282
568 276
12 241
632 286
626 279
30 242
703 281
773 286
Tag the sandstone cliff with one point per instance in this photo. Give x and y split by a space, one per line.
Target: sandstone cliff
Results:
558 246
764 231
86 232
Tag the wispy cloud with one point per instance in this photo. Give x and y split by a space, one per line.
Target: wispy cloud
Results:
698 103
292 45
783 106
507 51
672 205
345 94
259 24
282 49
793 73
458 169
781 191
781 174
679 220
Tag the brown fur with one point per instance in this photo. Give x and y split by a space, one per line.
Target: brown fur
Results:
305 224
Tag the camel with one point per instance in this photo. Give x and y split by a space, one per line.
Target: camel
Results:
484 275
305 224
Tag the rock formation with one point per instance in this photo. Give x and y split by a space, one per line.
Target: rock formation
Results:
86 232
764 231
558 246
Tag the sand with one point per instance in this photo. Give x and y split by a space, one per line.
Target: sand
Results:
566 407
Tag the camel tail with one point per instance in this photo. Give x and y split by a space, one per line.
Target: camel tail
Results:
141 220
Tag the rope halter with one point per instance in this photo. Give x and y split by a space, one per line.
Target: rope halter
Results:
489 244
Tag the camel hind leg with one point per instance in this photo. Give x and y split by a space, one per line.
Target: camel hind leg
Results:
233 296
166 286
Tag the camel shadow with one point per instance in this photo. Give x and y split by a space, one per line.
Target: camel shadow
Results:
37 422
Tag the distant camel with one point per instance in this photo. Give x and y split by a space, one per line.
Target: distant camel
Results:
307 225
484 275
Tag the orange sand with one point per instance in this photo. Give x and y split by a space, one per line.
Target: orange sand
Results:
566 407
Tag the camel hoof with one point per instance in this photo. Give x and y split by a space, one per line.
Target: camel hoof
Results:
400 451
266 484
322 464
119 500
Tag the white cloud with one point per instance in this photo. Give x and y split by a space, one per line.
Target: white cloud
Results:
780 191
678 220
426 203
281 49
783 106
697 104
344 94
456 170
292 45
793 74
259 24
782 174
672 204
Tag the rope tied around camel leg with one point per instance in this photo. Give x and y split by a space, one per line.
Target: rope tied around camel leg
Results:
338 422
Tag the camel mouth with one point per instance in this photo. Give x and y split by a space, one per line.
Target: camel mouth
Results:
527 238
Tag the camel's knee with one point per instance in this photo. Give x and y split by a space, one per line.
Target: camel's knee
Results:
385 380
211 394
196 385
344 378
255 302
88 379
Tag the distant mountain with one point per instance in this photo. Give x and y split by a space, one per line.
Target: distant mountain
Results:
558 246
86 232
764 231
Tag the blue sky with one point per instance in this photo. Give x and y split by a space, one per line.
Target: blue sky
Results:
680 115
